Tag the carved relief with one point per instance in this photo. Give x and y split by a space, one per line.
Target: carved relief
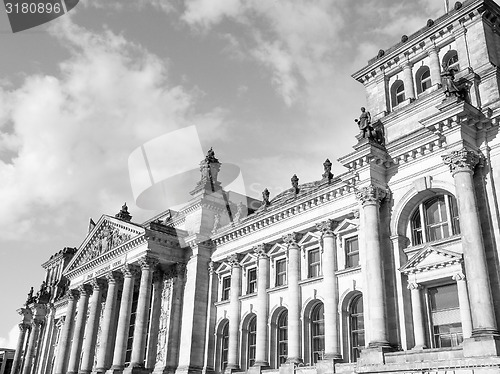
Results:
164 318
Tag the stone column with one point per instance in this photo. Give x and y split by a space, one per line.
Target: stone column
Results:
291 240
262 305
408 80
418 315
64 344
210 340
141 318
105 347
129 272
23 327
36 327
373 293
332 337
463 302
234 312
92 327
435 66
81 319
462 164
154 325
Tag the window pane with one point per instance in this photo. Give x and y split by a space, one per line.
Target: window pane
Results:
444 297
281 272
352 252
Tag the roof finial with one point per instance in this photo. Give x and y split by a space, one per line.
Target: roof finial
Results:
123 214
327 175
295 183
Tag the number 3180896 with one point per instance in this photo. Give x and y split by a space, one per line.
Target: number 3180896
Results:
33 8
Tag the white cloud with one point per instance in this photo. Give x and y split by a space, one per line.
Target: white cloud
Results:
11 340
71 134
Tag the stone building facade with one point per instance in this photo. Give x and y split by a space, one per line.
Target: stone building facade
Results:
392 266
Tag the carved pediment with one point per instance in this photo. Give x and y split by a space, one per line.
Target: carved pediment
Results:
346 226
431 258
108 234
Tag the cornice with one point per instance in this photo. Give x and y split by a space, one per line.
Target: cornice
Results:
315 200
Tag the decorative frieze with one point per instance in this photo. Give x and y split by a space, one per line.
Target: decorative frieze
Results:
463 160
370 195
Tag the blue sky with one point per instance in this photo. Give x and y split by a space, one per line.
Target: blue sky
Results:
266 83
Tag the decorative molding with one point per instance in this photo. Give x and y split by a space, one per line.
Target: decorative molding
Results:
458 277
370 195
98 284
85 289
73 294
148 263
463 160
414 286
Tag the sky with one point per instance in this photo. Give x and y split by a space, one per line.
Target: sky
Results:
267 84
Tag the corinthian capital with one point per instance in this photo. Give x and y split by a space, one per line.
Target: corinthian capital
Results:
148 263
261 250
326 227
461 160
234 260
370 195
292 239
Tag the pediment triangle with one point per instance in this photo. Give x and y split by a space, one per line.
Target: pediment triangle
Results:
108 234
430 256
347 225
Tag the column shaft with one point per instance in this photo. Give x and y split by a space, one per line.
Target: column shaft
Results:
374 294
105 347
142 314
435 67
408 81
64 345
124 318
155 319
332 346
234 313
81 317
32 344
418 316
483 316
23 327
92 328
294 355
174 335
262 305
463 302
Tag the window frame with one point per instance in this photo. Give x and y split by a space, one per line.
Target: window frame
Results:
423 84
398 93
251 282
355 350
348 255
251 341
281 358
224 346
225 288
281 278
316 354
314 269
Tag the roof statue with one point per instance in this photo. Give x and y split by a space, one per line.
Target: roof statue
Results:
123 214
265 198
295 183
327 166
369 130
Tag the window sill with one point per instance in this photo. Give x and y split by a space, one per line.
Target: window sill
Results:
248 296
348 270
311 280
222 302
277 288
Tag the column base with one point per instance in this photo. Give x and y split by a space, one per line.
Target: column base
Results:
374 355
419 348
332 356
481 346
188 370
293 360
326 366
115 370
164 370
136 369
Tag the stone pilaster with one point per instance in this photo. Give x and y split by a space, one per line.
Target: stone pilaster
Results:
262 304
291 240
462 164
332 336
142 315
418 315
78 333
106 344
374 295
64 345
129 273
463 302
92 327
234 312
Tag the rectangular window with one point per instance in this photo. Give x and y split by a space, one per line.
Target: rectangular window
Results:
352 252
252 281
281 272
314 258
226 288
446 325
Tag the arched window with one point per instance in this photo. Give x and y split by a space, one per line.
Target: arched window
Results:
282 337
423 78
252 341
434 219
356 327
397 93
450 60
224 346
317 332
